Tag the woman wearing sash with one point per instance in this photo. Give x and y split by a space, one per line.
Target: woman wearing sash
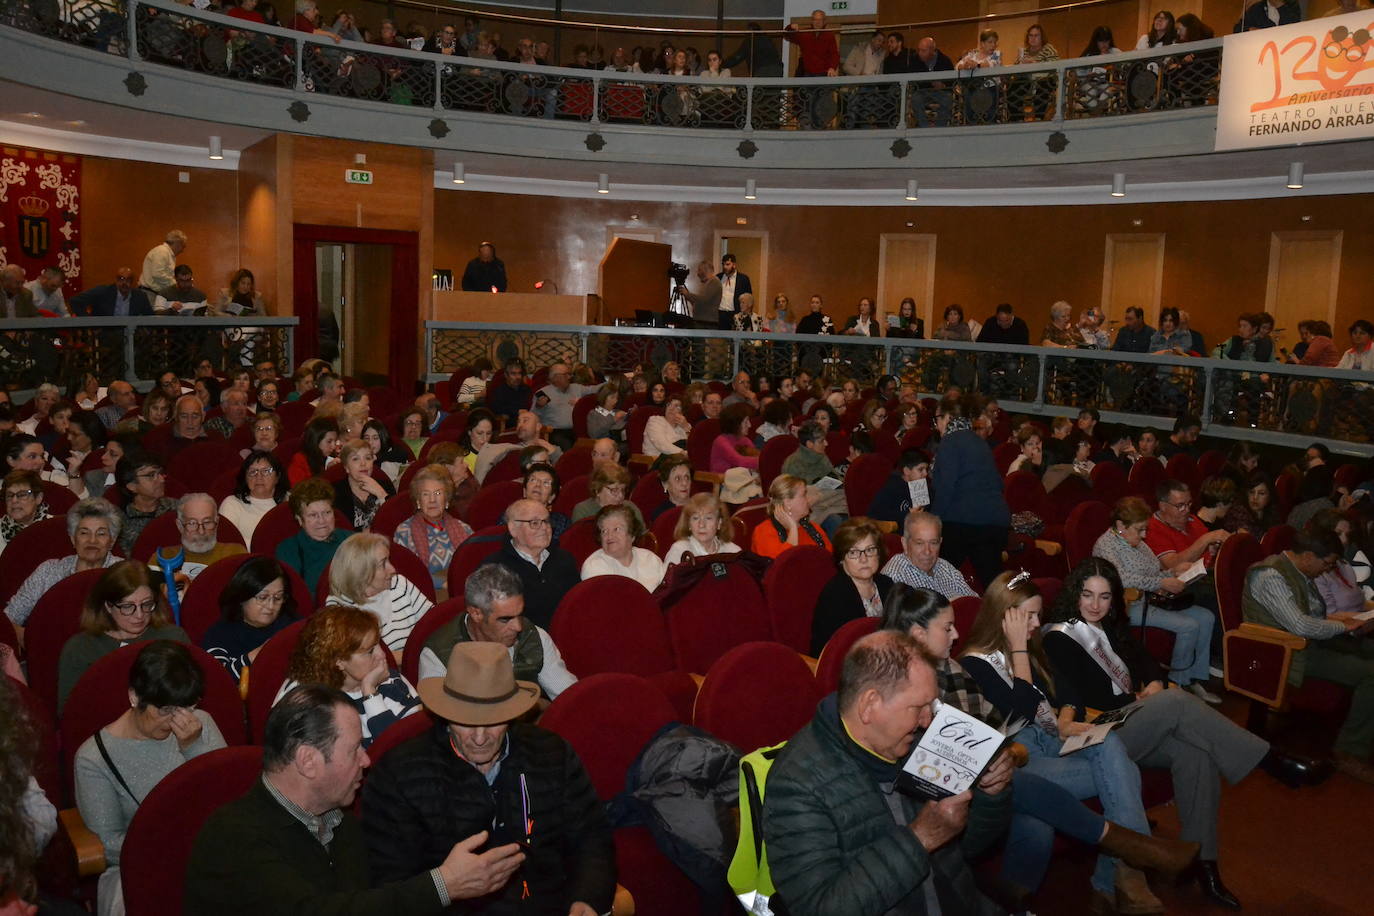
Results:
1097 663
1012 675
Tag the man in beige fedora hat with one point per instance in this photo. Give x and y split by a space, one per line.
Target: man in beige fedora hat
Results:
480 769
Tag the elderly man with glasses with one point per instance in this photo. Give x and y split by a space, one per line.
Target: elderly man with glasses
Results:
546 570
919 564
198 522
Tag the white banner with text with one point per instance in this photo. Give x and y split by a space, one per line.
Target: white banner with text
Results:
1303 83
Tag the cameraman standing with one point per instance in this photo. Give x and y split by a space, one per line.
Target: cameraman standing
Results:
706 308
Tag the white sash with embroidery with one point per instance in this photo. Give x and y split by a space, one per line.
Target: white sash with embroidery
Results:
1044 714
1099 649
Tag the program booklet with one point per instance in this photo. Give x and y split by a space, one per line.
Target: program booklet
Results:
1101 728
951 755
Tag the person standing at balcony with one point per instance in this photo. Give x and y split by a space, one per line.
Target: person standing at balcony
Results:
486 272
733 285
758 51
820 50
933 98
706 305
1265 14
867 59
160 263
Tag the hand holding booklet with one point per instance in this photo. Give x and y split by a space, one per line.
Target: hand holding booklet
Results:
1102 727
951 755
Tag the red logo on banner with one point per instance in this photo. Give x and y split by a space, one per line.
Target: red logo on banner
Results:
40 212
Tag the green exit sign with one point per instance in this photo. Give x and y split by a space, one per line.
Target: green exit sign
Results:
839 5
358 176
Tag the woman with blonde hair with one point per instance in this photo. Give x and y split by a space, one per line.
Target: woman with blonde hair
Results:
341 647
359 495
361 576
432 534
702 529
789 519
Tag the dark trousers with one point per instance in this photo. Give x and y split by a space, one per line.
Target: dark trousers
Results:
725 321
981 545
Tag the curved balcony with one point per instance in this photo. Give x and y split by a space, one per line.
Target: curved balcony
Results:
164 57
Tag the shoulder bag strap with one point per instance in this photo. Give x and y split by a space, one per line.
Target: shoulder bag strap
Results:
109 762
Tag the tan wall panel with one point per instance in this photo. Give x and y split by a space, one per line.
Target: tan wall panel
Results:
127 207
1132 274
392 201
1304 277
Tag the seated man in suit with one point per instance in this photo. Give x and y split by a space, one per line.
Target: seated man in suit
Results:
117 299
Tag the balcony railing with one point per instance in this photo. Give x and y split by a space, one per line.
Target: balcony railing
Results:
168 34
61 350
1268 402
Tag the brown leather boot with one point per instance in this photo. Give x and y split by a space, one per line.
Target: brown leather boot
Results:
1140 850
1133 895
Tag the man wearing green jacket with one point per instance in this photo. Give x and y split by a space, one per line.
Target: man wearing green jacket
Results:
841 839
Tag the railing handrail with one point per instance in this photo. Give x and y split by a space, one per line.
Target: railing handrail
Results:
147 321
455 60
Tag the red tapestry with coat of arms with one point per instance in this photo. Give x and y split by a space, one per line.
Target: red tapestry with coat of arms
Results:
40 213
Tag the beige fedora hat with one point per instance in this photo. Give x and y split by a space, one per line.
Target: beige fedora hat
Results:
479 687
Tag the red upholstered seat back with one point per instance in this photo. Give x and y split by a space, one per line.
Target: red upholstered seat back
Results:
664 526
392 513
432 620
966 609
505 470
832 656
1277 539
162 532
471 553
715 616
200 608
1183 467
837 446
575 462
634 429
1108 481
611 624
1238 553
58 498
55 619
580 540
1212 462
1084 525
648 494
267 675
699 442
571 491
157 847
45 766
491 502
864 479
756 695
1146 475
102 695
279 524
772 455
1025 493
1005 454
790 587
608 718
198 464
583 406
45 540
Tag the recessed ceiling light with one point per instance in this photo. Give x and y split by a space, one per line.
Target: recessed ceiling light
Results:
76 123
33 114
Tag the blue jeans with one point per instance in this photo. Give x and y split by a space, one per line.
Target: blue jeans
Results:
1192 629
1104 771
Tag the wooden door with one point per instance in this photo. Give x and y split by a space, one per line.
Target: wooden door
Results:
906 267
1304 273
1132 275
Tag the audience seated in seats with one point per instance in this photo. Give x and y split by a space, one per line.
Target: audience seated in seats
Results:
260 485
1147 444
188 426
967 495
480 772
1134 335
479 432
154 412
1314 492
1242 462
359 495
125 606
449 455
119 765
513 395
609 486
361 576
1360 356
495 601
741 393
617 529
263 852
391 458
838 838
1254 510
1096 662
553 404
235 413
93 525
474 387
318 450
858 589
733 448
412 429
1123 545
666 434
906 489
546 570
25 452
24 504
267 437
255 605
675 474
431 533
606 420
1216 495
1281 591
527 433
1183 440
1178 537
541 484
1004 676
310 550
777 420
1117 448
703 529
1032 454
341 647
789 519
198 524
809 461
1339 586
920 565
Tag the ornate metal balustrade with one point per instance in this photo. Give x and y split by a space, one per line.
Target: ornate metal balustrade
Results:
34 350
166 33
1268 402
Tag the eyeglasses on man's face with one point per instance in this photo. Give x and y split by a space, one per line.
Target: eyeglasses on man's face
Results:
535 523
199 524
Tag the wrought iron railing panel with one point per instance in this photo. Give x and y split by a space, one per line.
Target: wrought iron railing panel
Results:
167 33
60 350
1273 403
